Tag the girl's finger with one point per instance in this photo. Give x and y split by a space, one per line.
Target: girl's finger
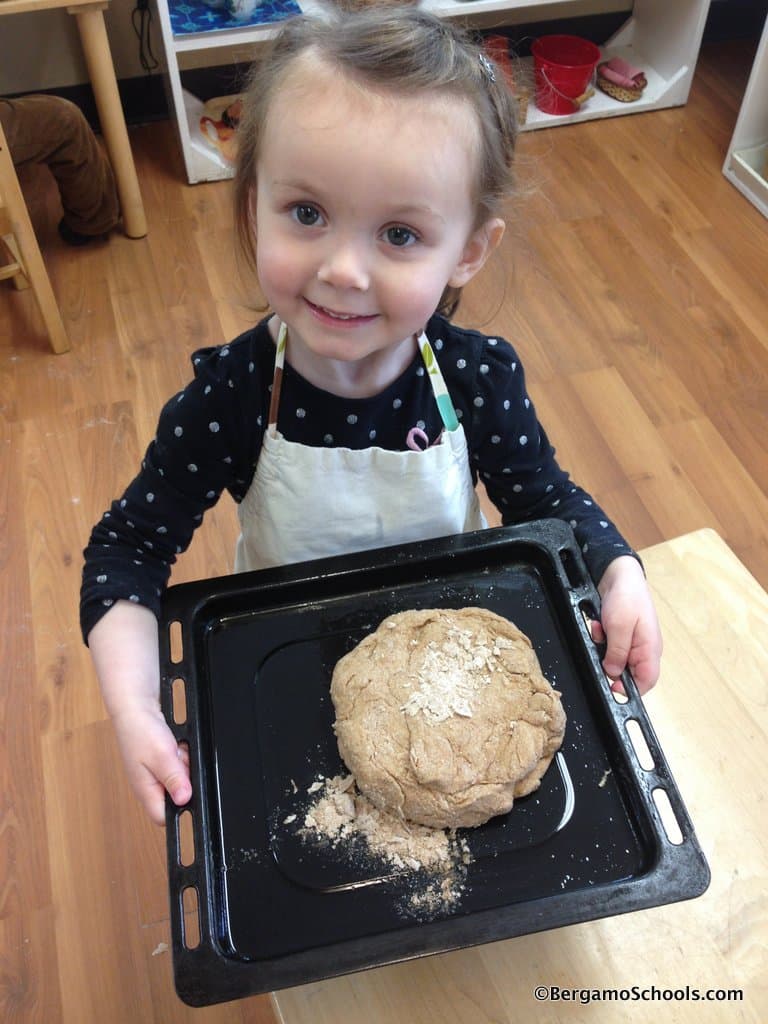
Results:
596 631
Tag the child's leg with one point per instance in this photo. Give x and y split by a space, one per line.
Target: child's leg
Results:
53 131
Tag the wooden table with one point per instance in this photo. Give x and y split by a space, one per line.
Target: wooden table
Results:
98 57
710 711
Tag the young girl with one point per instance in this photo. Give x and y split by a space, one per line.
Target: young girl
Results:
375 153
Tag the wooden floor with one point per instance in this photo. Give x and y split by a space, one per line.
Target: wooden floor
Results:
633 281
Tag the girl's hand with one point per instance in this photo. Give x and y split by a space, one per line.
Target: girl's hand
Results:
154 763
628 625
123 646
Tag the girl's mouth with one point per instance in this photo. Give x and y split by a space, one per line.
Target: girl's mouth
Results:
338 318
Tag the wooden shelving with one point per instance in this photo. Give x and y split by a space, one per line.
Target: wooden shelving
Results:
746 164
661 36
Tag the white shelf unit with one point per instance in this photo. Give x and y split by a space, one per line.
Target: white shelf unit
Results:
661 36
746 164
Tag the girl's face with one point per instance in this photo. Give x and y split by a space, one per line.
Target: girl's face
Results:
364 213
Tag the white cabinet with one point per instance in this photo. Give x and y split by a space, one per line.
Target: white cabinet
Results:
746 164
660 36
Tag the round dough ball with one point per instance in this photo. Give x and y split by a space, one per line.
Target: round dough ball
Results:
443 716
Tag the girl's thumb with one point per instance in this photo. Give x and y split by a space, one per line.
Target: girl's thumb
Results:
176 779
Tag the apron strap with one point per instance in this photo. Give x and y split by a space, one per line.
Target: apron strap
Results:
443 399
277 377
444 404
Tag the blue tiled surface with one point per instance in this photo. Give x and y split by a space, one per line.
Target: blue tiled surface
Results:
194 16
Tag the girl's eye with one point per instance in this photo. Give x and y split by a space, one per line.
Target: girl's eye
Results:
400 236
306 214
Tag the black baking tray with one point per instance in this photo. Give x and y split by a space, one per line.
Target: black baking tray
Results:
254 907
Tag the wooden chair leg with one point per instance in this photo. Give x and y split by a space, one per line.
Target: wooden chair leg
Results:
29 251
12 263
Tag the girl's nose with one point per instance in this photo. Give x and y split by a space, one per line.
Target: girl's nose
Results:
344 267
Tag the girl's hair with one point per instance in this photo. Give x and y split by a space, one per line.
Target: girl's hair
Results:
397 49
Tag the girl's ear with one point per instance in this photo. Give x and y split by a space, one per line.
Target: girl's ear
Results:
481 244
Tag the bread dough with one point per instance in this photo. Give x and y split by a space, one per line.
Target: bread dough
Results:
444 717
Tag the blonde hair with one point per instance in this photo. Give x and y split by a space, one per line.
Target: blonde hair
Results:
402 50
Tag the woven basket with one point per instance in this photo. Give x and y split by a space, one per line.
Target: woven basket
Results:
619 92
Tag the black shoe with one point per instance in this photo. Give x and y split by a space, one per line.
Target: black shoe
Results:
72 237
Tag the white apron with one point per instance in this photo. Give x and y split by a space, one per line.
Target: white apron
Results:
307 502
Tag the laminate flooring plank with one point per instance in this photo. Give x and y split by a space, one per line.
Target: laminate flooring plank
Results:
30 974
585 452
619 199
615 301
745 431
53 521
735 261
99 943
723 482
662 484
568 307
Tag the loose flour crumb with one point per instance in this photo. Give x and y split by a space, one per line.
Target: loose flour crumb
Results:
437 858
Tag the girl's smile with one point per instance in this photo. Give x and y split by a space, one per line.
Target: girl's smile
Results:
347 320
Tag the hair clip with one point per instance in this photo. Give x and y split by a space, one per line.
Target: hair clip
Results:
487 67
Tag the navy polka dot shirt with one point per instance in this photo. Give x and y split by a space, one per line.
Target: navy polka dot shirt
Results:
209 437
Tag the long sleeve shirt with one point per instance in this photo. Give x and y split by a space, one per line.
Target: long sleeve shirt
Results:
209 437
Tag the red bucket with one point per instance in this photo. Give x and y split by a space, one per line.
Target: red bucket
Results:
563 67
